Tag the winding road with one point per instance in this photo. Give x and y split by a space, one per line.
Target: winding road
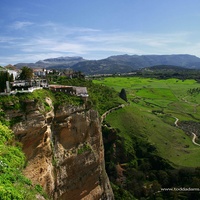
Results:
194 135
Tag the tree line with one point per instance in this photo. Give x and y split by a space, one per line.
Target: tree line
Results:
140 173
194 91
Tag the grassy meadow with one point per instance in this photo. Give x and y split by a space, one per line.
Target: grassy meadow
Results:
150 114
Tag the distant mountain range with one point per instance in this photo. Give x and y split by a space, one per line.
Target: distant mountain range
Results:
53 63
116 64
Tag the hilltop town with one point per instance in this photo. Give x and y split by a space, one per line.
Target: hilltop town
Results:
38 79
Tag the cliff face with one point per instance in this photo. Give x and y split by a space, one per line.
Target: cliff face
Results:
64 150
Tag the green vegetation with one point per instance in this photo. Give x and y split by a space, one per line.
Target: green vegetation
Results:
16 102
194 91
65 99
144 149
84 148
13 185
37 97
154 104
26 73
101 97
169 71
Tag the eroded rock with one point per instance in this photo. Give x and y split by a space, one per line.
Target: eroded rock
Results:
64 151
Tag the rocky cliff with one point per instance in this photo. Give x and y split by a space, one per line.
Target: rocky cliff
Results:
64 150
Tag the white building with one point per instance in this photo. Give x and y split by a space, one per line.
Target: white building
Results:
13 72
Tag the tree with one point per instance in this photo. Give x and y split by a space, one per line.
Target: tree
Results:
4 76
78 74
122 95
26 74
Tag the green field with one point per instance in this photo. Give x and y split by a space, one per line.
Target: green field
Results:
150 114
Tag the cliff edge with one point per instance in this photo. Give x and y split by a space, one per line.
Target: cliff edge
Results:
64 150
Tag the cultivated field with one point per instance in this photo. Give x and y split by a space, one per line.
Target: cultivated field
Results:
153 106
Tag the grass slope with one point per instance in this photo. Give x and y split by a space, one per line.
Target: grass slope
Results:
153 105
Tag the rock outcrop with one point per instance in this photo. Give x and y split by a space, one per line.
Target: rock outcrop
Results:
64 150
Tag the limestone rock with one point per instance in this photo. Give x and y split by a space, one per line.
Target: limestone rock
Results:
64 151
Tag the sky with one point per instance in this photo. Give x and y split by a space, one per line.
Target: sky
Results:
96 29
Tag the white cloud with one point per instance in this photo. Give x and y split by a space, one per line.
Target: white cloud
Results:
51 40
21 24
4 39
26 58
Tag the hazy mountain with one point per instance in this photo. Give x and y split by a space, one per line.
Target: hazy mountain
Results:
20 65
182 60
117 64
60 62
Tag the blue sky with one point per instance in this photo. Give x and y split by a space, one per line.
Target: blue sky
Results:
94 29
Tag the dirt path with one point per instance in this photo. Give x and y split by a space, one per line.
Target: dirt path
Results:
194 138
109 111
176 122
194 135
193 104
